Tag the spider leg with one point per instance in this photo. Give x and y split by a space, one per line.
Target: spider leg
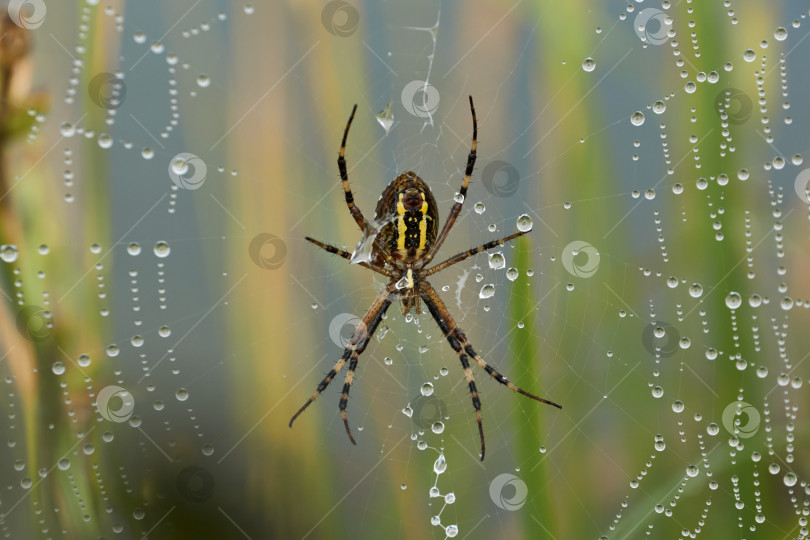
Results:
355 347
348 256
450 329
462 346
355 211
344 176
456 209
470 252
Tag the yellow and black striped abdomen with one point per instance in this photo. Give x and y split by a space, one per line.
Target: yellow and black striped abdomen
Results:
409 210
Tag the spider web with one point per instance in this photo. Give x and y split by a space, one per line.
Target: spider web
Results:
659 297
671 337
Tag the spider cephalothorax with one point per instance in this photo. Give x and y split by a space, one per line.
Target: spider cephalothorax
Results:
406 243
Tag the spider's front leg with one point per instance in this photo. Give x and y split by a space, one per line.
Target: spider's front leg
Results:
459 342
357 344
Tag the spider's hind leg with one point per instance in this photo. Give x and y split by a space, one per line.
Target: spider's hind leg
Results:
357 344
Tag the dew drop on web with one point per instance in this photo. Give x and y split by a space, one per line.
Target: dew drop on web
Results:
524 223
487 291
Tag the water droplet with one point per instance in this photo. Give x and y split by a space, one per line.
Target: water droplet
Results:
487 291
112 350
479 208
588 64
164 331
203 80
67 129
84 360
437 427
208 449
427 389
134 249
696 290
524 223
659 107
512 274
408 411
58 368
63 464
692 471
637 118
8 253
440 465
162 249
773 468
749 55
497 261
780 34
690 87
711 353
733 300
677 406
386 117
105 141
712 429
657 391
181 394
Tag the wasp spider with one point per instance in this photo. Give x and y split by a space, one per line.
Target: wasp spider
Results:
407 241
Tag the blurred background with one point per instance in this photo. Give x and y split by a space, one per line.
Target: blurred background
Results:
163 317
